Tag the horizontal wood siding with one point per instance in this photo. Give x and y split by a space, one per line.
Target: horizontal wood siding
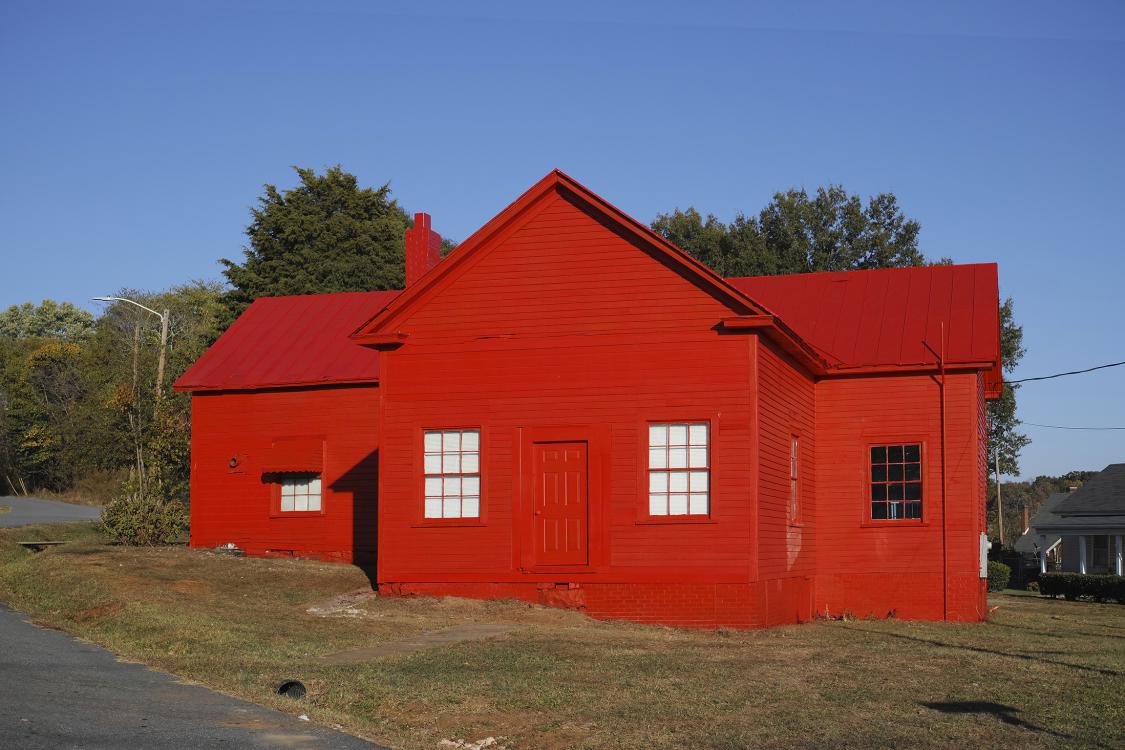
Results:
234 505
786 399
878 569
567 323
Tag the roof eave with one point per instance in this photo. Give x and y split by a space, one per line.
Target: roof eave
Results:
179 388
780 334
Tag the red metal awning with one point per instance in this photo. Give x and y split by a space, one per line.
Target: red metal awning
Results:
298 454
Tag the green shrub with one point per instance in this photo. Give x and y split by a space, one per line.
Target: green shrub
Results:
998 575
133 518
1074 586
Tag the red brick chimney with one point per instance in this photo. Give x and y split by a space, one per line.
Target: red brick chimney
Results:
1026 518
423 248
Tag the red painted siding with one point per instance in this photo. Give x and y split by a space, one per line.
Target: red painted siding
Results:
565 323
235 505
983 380
875 569
786 547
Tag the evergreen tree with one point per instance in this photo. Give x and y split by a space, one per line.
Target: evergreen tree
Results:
325 235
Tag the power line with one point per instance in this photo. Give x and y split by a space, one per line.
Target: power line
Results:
1061 374
1061 427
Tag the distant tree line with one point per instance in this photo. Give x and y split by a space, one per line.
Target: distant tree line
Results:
77 393
1030 495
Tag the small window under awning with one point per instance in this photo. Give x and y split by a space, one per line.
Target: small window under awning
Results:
295 455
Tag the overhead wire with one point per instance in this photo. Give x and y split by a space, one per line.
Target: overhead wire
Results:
1061 374
1066 427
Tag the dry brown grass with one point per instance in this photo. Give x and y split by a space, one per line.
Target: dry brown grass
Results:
1040 674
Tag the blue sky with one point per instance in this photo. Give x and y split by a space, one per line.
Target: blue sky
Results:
135 137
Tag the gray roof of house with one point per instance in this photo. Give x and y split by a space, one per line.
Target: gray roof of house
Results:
1102 495
1029 543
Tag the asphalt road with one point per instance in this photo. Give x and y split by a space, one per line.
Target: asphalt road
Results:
58 692
28 510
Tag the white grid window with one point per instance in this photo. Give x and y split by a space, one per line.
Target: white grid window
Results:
452 473
679 469
300 492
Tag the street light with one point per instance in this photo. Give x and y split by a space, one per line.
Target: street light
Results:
163 339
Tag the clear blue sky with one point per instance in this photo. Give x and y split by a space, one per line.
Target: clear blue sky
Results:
135 136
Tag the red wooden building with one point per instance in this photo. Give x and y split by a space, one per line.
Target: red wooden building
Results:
570 410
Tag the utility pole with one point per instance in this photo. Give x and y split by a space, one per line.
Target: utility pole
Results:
135 412
164 319
135 419
160 361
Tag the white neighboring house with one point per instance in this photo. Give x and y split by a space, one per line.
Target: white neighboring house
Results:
1090 522
1042 550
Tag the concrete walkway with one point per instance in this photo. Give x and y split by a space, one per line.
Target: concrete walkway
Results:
58 692
26 511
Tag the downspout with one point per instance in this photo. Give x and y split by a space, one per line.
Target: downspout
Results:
944 493
944 480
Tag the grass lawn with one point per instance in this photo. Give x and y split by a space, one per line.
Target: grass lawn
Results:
1040 673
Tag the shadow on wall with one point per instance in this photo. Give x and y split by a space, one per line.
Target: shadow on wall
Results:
362 483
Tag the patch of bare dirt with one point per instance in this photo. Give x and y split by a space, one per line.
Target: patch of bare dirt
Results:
345 605
100 611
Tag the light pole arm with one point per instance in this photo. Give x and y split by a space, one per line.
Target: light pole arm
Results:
163 344
131 302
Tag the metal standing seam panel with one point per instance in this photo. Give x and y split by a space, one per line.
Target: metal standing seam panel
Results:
885 317
985 307
961 315
941 287
893 324
301 340
911 348
871 317
830 299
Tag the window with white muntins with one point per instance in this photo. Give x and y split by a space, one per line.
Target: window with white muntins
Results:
452 473
679 469
300 492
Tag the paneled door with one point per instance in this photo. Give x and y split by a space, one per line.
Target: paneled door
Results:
560 505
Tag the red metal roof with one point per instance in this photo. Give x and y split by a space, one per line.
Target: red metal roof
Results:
884 317
838 322
285 341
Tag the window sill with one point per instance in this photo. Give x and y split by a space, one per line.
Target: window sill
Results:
890 524
673 520
448 523
297 514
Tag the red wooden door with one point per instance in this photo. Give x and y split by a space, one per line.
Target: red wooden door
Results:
560 505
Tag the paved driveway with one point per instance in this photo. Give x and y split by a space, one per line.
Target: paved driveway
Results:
58 692
28 510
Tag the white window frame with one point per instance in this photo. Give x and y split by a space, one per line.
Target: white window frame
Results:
451 482
302 493
679 469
